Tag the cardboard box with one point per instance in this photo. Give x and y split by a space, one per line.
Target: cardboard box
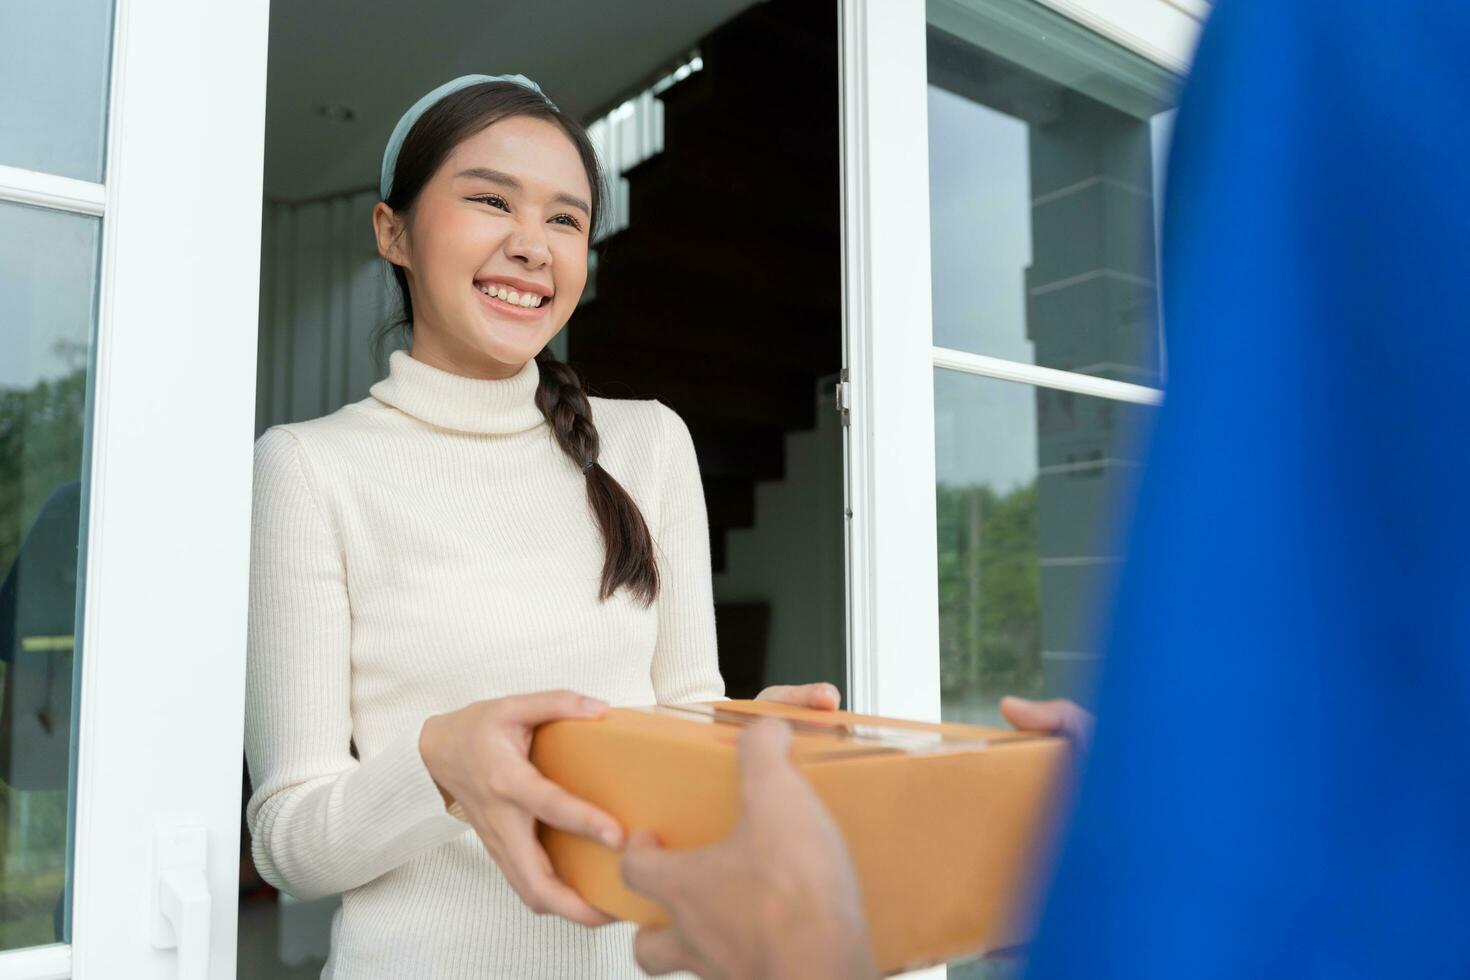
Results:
946 823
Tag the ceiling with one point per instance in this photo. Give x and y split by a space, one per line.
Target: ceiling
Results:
378 56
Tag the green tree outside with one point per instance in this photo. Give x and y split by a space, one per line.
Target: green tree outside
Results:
41 443
989 593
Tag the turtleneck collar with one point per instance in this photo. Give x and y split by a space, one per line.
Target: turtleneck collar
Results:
451 401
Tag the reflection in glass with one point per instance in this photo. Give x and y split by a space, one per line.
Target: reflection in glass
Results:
1029 482
1042 160
48 302
54 63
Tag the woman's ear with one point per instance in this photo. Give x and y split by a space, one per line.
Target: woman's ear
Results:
389 229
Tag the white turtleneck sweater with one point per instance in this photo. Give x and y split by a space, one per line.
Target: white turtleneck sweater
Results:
427 547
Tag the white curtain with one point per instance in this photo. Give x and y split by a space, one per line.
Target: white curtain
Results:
324 292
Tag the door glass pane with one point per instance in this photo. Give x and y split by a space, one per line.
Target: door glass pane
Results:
48 307
1042 159
1030 481
55 60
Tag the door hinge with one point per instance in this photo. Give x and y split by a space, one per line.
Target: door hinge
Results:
843 393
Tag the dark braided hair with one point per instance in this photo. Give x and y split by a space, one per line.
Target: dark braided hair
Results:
628 546
628 559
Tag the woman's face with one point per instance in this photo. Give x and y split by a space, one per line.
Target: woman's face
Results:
508 213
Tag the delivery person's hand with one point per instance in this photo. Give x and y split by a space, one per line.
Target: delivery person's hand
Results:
777 899
479 757
1059 717
824 696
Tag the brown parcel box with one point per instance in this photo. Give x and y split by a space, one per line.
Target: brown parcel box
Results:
946 823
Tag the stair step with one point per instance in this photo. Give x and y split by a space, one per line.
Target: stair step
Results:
779 400
748 454
729 502
723 298
716 549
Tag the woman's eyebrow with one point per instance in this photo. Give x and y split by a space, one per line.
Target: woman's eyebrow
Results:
506 180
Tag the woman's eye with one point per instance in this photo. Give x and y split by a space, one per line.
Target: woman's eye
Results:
567 219
494 200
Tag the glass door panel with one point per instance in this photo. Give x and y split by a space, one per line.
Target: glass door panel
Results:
48 290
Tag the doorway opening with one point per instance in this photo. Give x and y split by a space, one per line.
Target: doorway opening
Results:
715 285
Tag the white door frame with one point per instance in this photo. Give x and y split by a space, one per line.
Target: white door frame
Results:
893 596
893 588
162 655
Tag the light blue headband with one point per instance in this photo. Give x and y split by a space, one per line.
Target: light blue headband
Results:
395 142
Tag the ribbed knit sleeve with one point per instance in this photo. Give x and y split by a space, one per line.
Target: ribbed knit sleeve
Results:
685 658
321 821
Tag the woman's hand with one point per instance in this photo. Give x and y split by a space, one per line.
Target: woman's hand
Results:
478 757
823 697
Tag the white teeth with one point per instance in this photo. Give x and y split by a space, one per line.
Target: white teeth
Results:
525 300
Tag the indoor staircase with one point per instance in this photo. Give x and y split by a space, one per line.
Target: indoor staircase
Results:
723 295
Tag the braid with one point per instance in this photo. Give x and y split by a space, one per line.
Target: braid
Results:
628 547
562 400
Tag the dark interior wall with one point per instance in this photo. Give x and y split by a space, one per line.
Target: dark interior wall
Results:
723 299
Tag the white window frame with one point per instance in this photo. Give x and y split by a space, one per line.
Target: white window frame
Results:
167 541
893 592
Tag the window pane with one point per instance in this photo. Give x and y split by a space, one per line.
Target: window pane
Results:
55 60
1029 482
1041 178
48 303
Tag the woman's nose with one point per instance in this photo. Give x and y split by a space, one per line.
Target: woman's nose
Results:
528 244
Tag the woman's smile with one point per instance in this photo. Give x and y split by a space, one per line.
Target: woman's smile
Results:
501 298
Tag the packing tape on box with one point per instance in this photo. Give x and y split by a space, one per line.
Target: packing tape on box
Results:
878 738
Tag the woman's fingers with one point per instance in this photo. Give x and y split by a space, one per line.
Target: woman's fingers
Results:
554 806
504 796
528 870
558 899
822 696
531 710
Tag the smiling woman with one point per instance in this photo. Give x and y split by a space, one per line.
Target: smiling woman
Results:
544 164
435 567
451 221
